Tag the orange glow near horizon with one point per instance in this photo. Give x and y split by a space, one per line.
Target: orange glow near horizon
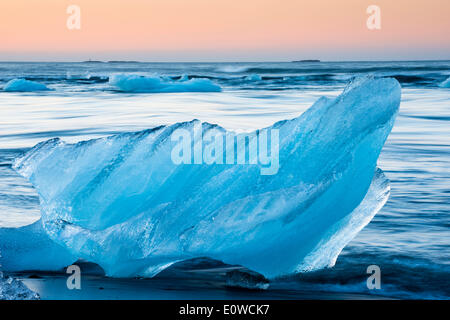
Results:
222 26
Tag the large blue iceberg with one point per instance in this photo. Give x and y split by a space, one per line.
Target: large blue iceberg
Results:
122 202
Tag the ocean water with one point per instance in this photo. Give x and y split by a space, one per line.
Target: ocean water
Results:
408 239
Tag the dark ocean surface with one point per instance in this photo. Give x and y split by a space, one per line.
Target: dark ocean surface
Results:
409 239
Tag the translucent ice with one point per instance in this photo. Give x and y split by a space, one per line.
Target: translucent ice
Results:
30 248
137 83
13 289
445 84
22 85
122 203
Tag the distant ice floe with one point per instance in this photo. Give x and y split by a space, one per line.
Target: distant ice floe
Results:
152 84
76 76
22 85
445 84
233 68
253 77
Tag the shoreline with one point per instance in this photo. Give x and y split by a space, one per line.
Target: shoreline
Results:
95 287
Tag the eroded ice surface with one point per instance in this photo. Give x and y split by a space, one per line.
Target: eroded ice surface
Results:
122 203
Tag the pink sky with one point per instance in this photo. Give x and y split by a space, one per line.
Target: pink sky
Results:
214 30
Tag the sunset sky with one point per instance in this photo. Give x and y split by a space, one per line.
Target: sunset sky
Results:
224 30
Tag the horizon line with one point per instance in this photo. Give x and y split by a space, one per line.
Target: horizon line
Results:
223 61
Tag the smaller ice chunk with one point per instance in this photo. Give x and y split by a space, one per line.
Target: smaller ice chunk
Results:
253 77
233 68
155 84
12 289
445 84
22 85
74 76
